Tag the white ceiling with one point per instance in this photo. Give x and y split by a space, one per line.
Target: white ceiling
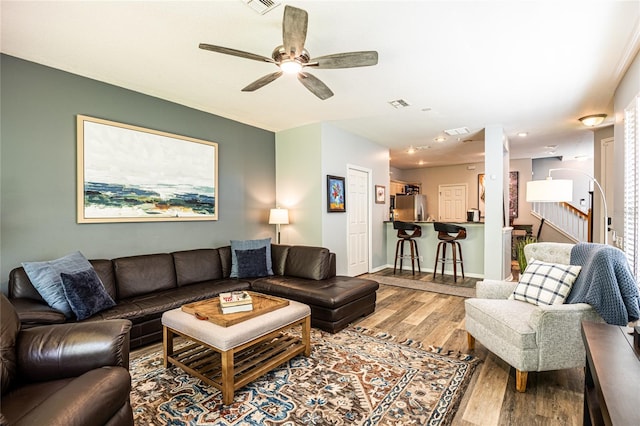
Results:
531 66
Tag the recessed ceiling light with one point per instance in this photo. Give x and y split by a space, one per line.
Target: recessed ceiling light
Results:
551 146
523 134
458 131
421 162
411 150
440 139
425 109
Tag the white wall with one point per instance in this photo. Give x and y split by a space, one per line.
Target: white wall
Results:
299 184
304 158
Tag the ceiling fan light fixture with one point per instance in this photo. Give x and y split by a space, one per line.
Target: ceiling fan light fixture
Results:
290 66
592 120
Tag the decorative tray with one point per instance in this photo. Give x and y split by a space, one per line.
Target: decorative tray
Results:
209 310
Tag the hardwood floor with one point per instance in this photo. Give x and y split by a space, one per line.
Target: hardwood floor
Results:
552 397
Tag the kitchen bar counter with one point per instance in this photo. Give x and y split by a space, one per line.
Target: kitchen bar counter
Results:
472 249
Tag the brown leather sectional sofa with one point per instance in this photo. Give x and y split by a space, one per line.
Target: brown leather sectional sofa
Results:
145 286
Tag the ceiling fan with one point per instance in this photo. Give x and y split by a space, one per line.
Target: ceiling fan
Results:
292 58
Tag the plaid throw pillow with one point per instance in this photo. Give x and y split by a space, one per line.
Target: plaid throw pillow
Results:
545 283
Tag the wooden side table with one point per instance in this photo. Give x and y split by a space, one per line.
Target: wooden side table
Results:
612 376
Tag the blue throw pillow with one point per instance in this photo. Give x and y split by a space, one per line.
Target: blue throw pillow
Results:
247 245
45 277
86 293
252 263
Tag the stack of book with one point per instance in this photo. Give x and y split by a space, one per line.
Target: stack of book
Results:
235 301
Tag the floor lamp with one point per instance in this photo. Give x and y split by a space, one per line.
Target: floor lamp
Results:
559 190
278 217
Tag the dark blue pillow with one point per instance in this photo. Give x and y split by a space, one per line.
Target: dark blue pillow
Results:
86 293
252 263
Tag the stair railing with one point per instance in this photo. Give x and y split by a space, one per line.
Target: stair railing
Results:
571 221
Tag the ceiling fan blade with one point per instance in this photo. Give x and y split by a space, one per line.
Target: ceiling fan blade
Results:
234 52
263 81
346 60
294 30
315 86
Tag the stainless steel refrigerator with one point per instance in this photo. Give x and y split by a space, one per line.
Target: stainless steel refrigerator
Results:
411 208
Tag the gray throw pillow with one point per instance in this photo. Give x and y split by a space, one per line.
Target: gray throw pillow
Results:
45 277
86 293
246 245
252 263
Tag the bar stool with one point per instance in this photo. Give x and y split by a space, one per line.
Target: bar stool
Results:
449 234
404 236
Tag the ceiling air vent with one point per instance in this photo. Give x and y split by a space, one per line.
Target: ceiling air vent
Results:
261 6
458 131
399 103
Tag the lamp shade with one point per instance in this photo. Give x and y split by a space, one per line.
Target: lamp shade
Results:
279 217
550 190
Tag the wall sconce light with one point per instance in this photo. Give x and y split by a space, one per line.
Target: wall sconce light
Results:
592 120
278 217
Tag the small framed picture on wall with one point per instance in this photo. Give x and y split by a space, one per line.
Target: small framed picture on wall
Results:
380 194
335 194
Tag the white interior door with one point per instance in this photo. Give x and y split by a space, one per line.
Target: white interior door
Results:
358 221
452 203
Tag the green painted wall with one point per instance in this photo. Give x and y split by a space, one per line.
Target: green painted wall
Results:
38 169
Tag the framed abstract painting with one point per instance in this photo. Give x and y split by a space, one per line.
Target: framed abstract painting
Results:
127 173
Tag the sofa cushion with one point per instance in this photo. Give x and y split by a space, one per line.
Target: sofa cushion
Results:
508 320
279 257
138 275
85 293
308 262
330 293
246 245
545 283
252 262
45 277
142 308
194 266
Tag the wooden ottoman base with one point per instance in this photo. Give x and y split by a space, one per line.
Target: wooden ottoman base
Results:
229 369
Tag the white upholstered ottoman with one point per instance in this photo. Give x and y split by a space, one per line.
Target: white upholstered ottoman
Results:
230 357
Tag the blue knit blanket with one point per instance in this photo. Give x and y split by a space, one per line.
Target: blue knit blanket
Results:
605 282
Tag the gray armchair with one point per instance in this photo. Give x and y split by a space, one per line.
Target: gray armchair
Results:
526 336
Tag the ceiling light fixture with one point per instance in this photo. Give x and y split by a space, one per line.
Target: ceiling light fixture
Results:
440 139
523 134
411 150
592 120
290 66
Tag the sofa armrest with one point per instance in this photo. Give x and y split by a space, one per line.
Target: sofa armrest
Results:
68 350
494 289
34 312
559 335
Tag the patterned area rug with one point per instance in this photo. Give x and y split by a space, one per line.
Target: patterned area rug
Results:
352 377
